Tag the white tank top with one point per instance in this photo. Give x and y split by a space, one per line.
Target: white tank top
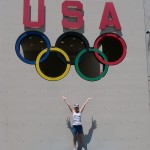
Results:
77 118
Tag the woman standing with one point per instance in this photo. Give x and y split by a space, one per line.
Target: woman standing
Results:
77 129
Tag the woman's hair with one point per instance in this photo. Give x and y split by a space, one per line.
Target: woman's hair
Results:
76 105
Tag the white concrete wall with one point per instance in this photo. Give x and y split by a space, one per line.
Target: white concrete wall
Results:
147 35
32 114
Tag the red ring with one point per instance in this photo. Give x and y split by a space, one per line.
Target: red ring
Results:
115 36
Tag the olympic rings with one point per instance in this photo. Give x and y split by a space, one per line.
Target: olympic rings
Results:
29 33
69 41
89 78
45 76
81 46
113 36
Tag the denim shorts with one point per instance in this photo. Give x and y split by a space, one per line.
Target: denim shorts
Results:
77 129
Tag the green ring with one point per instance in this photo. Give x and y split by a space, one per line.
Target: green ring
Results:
82 75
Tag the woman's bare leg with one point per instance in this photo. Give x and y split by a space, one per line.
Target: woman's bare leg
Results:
74 141
81 139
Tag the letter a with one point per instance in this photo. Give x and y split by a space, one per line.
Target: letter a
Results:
109 17
27 15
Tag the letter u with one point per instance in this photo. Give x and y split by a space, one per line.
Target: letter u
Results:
27 15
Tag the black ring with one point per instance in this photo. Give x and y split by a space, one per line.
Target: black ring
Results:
72 34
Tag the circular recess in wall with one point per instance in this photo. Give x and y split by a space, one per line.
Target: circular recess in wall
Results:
113 46
102 72
30 44
72 43
52 68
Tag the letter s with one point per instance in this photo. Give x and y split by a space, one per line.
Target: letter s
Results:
72 13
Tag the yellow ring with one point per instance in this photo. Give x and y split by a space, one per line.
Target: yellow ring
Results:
47 77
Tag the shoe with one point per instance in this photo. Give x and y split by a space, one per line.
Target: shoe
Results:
83 148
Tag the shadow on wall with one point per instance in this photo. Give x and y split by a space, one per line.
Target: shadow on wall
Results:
111 30
149 43
88 136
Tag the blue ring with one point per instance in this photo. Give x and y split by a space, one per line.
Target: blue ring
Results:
25 34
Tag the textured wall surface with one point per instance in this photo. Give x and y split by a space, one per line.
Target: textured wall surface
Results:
32 113
147 35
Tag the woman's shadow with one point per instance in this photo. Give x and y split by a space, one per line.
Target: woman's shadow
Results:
88 136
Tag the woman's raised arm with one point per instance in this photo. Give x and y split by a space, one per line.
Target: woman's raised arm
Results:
82 108
65 99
